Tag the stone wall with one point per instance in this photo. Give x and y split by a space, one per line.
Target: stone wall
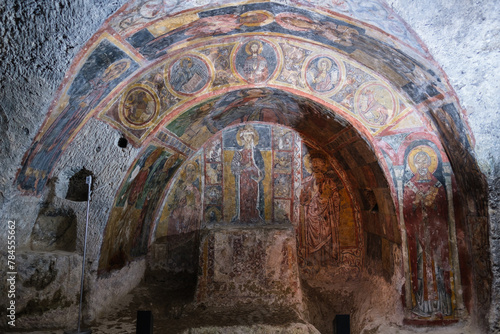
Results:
249 266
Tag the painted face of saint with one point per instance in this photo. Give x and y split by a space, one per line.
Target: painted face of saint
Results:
187 63
422 162
255 49
318 166
190 173
323 65
247 138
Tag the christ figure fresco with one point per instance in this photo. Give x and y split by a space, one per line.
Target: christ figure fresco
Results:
256 68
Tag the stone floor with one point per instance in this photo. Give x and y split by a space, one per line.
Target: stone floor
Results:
168 301
171 315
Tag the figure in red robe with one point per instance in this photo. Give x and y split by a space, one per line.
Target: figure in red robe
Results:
320 203
426 220
248 168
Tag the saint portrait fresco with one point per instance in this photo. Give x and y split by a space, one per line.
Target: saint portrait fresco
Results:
131 219
189 75
139 107
256 61
247 167
259 173
375 104
426 220
322 74
185 206
319 212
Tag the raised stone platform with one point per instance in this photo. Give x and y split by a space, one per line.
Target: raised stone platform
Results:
249 266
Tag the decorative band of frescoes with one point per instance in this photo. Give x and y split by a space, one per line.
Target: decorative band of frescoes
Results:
375 104
256 18
188 75
139 107
255 60
324 74
218 66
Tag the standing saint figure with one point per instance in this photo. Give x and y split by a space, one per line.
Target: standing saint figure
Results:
255 68
425 215
247 167
185 211
319 212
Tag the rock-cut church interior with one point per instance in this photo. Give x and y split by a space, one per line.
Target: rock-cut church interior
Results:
265 166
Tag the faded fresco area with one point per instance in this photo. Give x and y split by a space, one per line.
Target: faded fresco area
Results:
129 227
104 68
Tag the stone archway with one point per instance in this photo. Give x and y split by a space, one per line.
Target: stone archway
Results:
153 79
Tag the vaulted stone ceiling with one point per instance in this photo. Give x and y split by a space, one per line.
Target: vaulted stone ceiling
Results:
345 83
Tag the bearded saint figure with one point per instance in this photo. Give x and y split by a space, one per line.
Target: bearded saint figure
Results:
425 215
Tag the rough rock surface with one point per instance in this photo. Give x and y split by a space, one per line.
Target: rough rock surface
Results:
248 266
47 288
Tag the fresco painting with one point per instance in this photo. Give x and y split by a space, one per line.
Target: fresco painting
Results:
323 74
244 165
210 68
427 231
99 74
253 61
375 104
253 177
320 213
128 231
293 60
256 61
141 13
220 56
139 107
248 168
196 125
189 75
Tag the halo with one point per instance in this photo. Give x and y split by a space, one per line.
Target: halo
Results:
429 151
328 61
192 163
124 64
249 44
185 59
307 163
247 128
